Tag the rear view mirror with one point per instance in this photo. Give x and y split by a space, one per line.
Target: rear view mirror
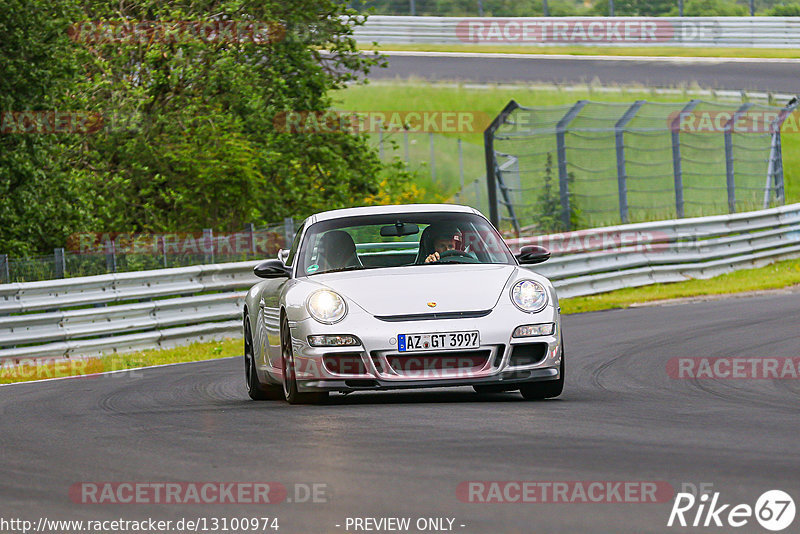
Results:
533 254
399 229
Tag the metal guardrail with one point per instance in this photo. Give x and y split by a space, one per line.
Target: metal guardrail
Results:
132 311
764 32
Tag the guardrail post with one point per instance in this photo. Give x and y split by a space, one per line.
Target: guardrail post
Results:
675 128
729 156
208 245
5 275
111 257
561 149
288 232
60 263
619 136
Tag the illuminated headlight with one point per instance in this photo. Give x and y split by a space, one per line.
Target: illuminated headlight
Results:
333 341
531 330
326 306
529 296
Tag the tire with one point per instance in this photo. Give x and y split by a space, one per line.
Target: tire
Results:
290 392
548 389
255 389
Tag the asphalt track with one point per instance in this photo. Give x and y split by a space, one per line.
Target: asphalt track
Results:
403 454
781 76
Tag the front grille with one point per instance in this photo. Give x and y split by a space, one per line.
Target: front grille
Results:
527 354
344 363
439 361
433 316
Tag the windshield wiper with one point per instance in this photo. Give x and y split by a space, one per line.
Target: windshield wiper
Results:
351 268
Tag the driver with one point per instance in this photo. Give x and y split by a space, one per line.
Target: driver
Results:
444 237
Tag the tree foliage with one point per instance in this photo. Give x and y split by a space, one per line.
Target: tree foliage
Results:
191 136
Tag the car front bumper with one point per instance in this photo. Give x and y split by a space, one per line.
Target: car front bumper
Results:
377 364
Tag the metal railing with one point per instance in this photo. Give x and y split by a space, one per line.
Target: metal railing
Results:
132 311
764 32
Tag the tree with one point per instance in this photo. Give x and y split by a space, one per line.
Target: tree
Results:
40 203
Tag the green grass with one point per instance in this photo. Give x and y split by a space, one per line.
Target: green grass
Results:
775 276
27 371
678 51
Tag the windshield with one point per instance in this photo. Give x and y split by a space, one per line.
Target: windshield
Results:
392 240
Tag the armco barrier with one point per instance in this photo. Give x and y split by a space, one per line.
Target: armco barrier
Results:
133 311
765 32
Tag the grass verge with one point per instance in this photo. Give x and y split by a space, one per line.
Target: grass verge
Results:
672 51
775 276
32 370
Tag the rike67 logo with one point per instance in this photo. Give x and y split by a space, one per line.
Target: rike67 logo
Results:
774 510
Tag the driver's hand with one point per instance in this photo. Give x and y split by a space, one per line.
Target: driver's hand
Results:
433 257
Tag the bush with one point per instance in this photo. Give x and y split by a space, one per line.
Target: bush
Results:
784 10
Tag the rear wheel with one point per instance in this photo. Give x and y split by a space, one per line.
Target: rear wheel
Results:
255 388
290 392
548 389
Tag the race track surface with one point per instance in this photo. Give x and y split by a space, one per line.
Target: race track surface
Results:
403 454
742 74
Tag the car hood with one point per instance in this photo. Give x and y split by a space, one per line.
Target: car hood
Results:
409 290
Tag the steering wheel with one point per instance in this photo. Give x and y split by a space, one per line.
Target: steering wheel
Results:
455 255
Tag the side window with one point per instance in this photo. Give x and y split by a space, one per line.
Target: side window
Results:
295 245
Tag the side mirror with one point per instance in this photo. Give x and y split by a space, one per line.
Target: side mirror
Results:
533 254
271 269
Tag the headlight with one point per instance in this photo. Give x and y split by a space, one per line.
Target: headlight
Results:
326 306
529 296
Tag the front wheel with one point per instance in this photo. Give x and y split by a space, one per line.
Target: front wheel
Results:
548 389
290 392
255 389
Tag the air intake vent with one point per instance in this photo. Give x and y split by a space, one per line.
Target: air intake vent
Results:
527 354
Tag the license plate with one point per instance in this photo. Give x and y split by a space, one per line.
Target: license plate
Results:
442 341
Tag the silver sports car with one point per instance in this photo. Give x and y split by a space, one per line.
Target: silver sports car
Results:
388 297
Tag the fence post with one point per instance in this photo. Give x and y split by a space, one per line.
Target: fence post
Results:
775 167
730 178
60 263
619 136
163 241
288 232
208 245
111 257
380 139
433 157
5 275
545 9
491 161
677 170
610 8
461 164
250 230
561 149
